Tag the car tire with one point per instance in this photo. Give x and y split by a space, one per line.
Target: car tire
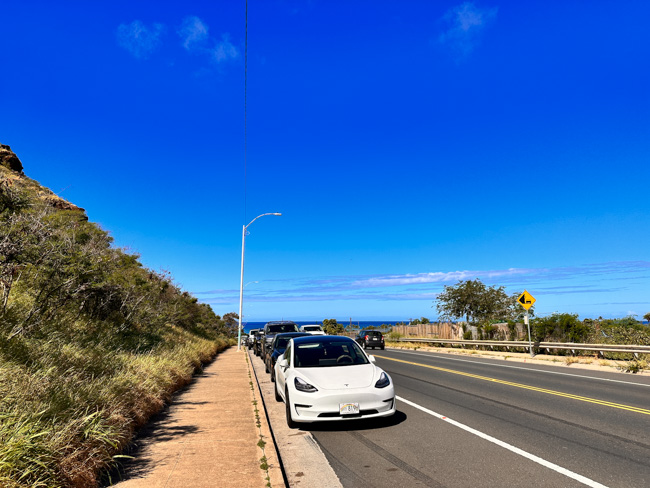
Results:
272 375
278 398
382 348
266 367
290 422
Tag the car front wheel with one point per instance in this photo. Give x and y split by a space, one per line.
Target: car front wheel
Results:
290 422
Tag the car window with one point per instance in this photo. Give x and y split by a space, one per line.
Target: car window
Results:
287 355
372 333
281 342
312 328
325 354
279 328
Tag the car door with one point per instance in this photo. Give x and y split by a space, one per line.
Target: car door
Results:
280 373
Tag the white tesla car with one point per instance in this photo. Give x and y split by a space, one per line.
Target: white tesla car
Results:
323 378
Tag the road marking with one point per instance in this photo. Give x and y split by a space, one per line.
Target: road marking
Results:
443 356
528 387
559 469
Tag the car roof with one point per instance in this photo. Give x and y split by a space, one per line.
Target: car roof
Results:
293 334
280 322
320 339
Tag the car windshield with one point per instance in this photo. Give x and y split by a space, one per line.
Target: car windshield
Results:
312 327
328 353
282 342
279 328
371 333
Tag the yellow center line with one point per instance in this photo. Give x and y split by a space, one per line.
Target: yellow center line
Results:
526 387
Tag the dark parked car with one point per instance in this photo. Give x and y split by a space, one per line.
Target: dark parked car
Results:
272 328
370 338
259 341
277 348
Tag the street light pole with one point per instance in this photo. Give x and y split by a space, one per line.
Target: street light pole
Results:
241 281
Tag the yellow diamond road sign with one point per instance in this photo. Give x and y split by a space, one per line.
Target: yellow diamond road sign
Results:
526 300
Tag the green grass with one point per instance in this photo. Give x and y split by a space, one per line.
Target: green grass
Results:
92 343
69 410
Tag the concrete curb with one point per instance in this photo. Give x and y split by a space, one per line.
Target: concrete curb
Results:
270 449
303 461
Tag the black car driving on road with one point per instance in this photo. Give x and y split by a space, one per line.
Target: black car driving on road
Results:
277 348
273 328
370 338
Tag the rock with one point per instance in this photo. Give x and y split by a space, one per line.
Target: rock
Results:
9 160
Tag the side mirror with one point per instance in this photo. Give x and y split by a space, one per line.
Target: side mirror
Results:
372 358
283 364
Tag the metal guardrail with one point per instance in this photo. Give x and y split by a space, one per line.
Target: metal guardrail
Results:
570 346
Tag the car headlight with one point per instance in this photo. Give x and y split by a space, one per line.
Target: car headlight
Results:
302 385
383 381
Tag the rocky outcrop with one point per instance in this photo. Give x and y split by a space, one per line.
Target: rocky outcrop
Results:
9 160
15 178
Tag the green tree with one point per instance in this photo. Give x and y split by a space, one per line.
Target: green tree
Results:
647 316
560 327
332 327
476 302
231 321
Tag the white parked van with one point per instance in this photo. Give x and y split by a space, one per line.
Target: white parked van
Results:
314 329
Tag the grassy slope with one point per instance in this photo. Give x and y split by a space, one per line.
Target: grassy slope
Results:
91 343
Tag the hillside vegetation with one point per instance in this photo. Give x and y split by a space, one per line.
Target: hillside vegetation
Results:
91 342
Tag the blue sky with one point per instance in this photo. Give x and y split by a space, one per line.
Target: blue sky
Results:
408 145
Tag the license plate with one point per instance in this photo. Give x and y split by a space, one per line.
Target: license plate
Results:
348 408
375 339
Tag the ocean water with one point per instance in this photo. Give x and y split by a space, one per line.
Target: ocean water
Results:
355 325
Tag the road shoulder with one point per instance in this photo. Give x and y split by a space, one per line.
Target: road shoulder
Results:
304 462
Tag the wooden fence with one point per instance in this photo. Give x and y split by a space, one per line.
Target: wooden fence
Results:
447 330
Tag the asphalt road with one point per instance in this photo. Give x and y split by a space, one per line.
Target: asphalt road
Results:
489 423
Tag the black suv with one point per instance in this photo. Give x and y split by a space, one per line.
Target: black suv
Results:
277 349
272 328
370 338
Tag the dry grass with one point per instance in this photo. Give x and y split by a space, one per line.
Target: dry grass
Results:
65 415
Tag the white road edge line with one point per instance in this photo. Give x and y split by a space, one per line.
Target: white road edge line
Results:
525 369
505 445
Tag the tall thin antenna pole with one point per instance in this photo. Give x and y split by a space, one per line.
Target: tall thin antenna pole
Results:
245 105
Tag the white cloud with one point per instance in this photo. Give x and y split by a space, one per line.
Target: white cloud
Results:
437 277
139 39
195 37
224 49
584 280
465 23
193 32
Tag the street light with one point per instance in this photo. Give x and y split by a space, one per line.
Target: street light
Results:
241 282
